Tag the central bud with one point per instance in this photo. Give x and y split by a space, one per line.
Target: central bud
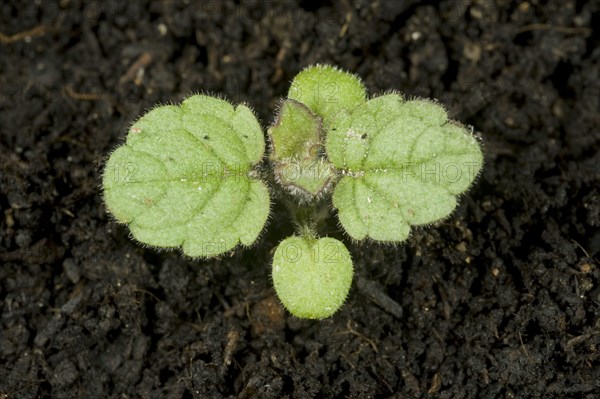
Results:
297 151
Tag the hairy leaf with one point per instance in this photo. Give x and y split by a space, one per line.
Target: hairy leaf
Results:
403 162
312 177
183 177
327 90
312 276
296 133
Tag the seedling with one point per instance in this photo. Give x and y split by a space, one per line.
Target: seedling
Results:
193 177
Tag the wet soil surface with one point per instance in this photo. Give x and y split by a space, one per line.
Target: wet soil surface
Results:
501 300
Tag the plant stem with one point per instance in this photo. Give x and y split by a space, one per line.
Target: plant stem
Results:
307 218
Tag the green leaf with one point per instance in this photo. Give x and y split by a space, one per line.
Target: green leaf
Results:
296 148
310 176
184 177
327 90
296 132
312 276
403 162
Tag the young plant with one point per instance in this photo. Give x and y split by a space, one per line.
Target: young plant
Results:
187 177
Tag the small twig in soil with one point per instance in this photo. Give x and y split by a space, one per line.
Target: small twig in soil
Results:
580 338
360 335
233 336
25 35
278 60
143 291
562 29
82 96
346 25
525 349
376 294
136 70
436 383
587 255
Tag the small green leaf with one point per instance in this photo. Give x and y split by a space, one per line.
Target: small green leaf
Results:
403 164
312 177
296 152
296 133
327 90
183 177
312 276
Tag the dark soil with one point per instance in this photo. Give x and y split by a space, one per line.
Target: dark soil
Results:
501 300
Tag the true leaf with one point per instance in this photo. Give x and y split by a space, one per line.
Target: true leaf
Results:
310 176
183 177
296 139
403 162
327 90
296 133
